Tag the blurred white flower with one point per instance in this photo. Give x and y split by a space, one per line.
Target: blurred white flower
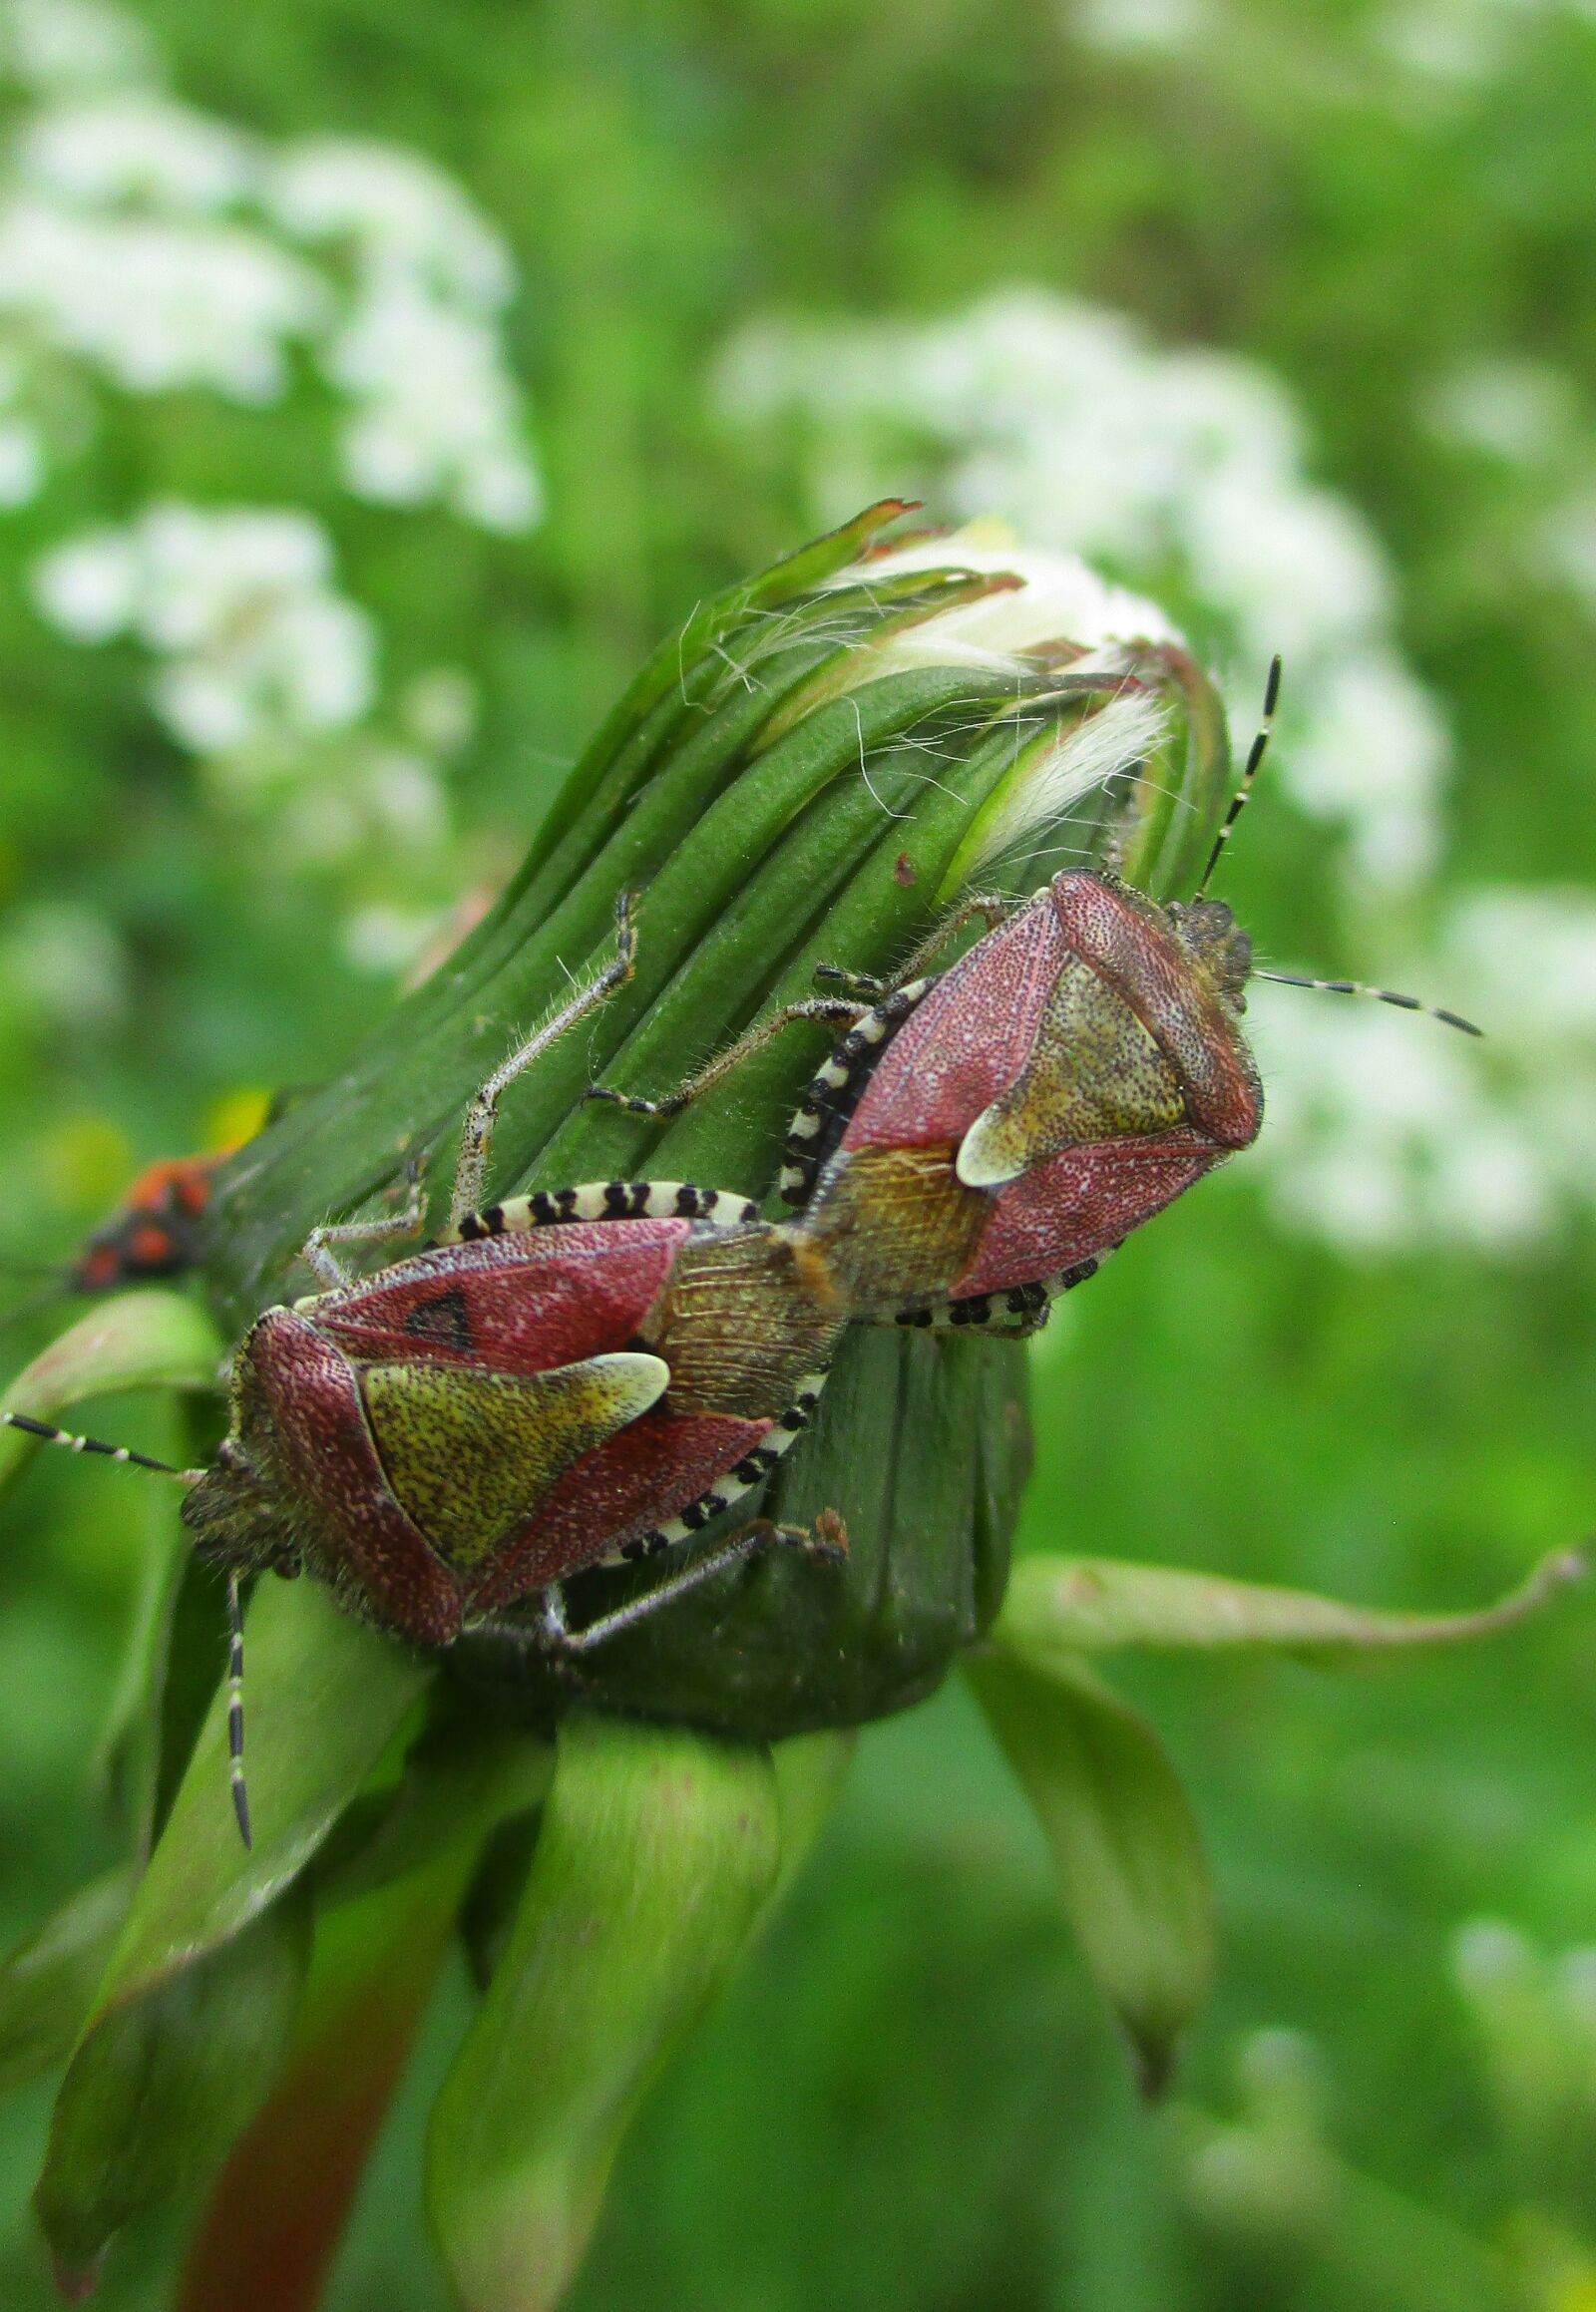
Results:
388 940
1508 407
138 149
1138 27
439 709
397 211
438 415
1183 467
259 648
73 46
156 306
167 249
1383 1130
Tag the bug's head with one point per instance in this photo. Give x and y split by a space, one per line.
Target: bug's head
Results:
235 1510
1220 950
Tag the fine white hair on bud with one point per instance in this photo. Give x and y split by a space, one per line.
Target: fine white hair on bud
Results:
1049 780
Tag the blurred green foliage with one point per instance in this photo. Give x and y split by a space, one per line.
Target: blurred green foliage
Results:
911 2101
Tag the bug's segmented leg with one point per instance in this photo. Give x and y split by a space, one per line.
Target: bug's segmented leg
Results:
240 1794
604 1200
750 1471
830 1009
476 1138
862 984
557 1635
1014 1315
835 1092
993 910
326 1265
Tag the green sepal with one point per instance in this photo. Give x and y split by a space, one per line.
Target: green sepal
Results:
1059 1607
48 1983
1123 1840
657 1852
159 2087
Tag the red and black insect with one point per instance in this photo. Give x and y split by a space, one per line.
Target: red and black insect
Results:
979 1140
156 1231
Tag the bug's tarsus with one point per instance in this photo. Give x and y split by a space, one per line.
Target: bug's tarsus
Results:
50 1436
325 1264
828 1543
1377 994
994 911
476 1138
856 983
240 1794
1255 756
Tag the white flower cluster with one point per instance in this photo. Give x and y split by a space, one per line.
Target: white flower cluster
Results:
270 674
258 650
1384 1130
1183 467
163 249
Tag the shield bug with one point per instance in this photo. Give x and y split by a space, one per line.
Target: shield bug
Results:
980 1139
569 1379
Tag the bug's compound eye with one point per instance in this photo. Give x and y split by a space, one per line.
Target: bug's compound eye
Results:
1211 936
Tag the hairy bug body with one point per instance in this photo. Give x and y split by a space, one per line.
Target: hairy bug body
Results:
467 1426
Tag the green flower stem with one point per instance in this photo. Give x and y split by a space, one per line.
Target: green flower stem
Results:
1057 1606
657 1852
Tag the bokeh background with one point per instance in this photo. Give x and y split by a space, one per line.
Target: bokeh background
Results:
376 383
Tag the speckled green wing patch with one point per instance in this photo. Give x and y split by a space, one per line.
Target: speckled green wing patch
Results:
471 1455
1095 1071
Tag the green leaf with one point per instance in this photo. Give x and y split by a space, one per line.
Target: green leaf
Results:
1124 1843
657 1851
323 1697
209 1952
144 1339
810 1772
48 1983
159 2088
272 2226
1059 1606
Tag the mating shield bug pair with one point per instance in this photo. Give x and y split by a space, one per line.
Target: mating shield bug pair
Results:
568 1380
980 1140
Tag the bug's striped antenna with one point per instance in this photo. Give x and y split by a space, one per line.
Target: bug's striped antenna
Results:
240 1795
50 1436
1255 755
1379 995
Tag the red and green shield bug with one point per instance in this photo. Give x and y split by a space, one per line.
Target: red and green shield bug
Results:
569 1380
980 1140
